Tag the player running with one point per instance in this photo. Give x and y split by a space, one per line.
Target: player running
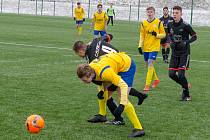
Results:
79 16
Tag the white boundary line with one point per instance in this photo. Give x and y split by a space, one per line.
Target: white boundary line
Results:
47 47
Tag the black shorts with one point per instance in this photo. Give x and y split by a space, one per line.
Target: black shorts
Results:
164 41
179 62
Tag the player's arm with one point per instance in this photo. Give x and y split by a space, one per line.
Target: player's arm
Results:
83 14
105 22
192 34
75 14
93 22
141 38
107 74
161 33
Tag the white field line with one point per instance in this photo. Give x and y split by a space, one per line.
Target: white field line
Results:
48 47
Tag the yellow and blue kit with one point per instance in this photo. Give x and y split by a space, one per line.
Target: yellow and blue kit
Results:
99 20
79 13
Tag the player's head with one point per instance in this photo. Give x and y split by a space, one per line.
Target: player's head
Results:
78 4
177 13
99 7
150 12
109 38
85 73
111 4
80 48
165 11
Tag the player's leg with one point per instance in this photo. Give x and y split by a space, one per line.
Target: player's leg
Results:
173 68
138 129
128 77
95 33
108 20
102 101
184 64
103 33
112 20
151 72
163 49
167 52
80 27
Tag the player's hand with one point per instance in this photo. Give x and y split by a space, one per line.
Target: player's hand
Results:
74 18
140 50
83 19
154 33
118 111
100 95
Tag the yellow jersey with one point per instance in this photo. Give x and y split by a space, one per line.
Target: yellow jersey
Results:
108 66
148 42
99 20
79 13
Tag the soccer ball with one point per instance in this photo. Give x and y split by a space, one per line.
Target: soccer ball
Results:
34 123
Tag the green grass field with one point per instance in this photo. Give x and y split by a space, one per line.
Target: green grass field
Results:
37 76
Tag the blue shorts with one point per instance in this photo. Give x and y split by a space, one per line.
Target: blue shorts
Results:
102 33
79 22
128 76
150 55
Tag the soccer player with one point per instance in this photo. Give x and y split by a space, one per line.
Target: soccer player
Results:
99 22
110 13
118 69
151 32
165 42
91 51
79 16
179 32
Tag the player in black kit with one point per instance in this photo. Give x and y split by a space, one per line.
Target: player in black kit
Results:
165 42
91 51
179 32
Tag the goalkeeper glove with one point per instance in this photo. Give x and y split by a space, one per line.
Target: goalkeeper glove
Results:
100 95
154 33
140 50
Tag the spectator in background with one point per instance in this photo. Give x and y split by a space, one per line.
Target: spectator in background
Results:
110 13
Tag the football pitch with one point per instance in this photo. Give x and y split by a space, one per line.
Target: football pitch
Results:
38 76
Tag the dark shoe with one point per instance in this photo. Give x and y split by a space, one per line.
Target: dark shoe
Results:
144 96
137 133
97 118
115 122
185 96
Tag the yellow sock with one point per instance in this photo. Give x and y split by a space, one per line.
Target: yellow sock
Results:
155 74
79 30
130 112
102 104
149 77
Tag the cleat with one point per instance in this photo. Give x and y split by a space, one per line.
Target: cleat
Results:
166 61
137 133
155 83
115 122
146 88
144 96
97 118
185 96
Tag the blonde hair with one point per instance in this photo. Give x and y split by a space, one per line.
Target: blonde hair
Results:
84 70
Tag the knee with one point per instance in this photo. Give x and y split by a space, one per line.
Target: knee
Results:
181 75
172 74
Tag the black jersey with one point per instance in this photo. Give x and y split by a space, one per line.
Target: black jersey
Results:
179 36
166 21
97 48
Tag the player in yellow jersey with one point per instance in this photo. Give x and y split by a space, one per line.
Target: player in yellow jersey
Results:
99 22
118 69
79 16
151 32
